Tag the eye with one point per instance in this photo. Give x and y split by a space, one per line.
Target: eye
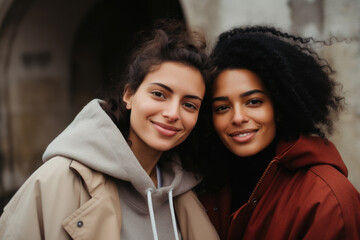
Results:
190 106
254 102
221 108
158 94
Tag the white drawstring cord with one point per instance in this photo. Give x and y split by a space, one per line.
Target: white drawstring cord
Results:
171 204
152 217
151 213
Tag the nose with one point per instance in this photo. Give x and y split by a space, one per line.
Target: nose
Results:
239 116
172 111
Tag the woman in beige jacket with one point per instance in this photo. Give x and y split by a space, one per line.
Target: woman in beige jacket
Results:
106 176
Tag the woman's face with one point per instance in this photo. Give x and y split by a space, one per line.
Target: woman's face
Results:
243 112
165 107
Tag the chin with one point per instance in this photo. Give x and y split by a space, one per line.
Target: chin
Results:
163 147
244 155
245 152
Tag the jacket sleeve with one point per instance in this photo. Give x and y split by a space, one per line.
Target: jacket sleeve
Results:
38 208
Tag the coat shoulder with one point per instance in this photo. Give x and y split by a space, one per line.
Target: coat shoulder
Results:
51 177
336 182
345 199
47 197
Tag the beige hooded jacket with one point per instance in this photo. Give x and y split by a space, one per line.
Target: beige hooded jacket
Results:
87 184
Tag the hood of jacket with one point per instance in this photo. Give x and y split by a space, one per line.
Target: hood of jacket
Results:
307 151
94 140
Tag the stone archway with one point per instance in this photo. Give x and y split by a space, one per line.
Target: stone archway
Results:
36 37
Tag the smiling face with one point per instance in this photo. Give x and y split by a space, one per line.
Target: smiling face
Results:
243 112
165 107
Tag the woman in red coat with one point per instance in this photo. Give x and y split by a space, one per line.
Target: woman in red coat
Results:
272 173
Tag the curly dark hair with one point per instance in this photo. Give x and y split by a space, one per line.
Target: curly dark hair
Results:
305 95
306 98
169 41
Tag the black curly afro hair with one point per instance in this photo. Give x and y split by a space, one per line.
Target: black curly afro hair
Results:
299 81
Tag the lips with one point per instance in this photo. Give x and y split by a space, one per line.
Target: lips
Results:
243 135
165 129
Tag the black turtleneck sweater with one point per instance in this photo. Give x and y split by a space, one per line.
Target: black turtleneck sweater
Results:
245 172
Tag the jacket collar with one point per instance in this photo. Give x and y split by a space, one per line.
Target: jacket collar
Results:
307 151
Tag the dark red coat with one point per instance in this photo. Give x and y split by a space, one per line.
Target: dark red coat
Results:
303 194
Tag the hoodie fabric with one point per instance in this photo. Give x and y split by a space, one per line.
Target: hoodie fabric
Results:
96 144
304 193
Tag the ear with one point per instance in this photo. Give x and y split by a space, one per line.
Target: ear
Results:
127 97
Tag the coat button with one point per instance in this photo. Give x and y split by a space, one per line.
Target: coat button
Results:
79 224
255 200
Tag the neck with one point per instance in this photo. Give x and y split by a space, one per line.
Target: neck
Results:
147 157
245 173
257 162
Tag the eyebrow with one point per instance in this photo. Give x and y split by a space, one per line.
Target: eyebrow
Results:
220 99
172 91
245 94
163 86
248 93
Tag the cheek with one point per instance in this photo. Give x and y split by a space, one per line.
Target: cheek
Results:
143 107
269 118
189 121
220 122
265 116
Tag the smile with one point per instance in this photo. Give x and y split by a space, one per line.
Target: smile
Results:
165 130
243 136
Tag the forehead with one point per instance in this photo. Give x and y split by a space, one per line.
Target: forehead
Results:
237 81
178 77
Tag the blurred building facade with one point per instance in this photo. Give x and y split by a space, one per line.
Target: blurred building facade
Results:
56 55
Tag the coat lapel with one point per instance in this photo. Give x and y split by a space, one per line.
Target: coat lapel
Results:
100 217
